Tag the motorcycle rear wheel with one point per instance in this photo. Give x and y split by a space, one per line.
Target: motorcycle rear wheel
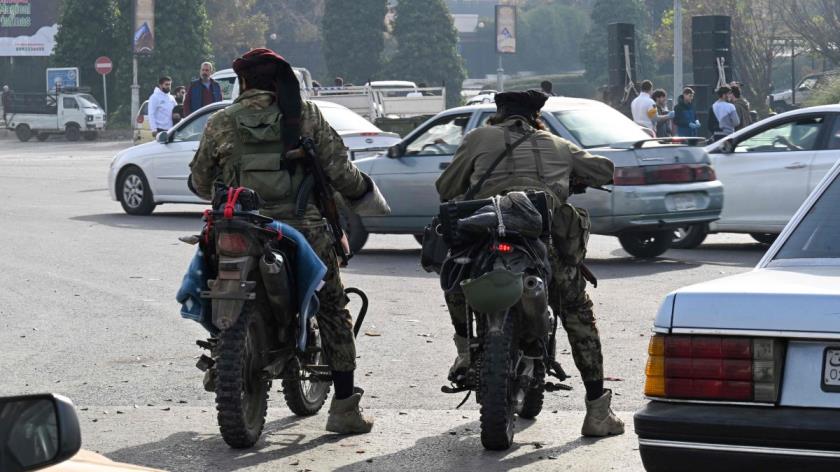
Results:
241 390
533 403
497 385
306 397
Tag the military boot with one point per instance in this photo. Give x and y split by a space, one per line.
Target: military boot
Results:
462 362
600 419
346 415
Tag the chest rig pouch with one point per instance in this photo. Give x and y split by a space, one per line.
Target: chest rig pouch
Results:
262 165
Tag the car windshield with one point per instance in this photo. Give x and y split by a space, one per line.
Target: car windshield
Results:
87 101
599 126
345 121
226 84
818 235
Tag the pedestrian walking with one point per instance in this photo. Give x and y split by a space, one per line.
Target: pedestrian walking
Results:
6 101
685 118
161 104
724 114
202 91
662 119
742 106
643 108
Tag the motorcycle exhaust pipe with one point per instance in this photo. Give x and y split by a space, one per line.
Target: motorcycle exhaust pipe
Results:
275 278
534 305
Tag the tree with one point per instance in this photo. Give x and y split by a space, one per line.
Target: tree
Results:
235 28
594 48
427 47
88 30
294 31
550 36
354 38
816 21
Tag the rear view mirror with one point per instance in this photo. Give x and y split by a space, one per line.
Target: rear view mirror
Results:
163 137
37 431
396 151
727 146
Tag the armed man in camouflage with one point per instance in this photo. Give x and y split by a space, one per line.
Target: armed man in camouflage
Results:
548 163
247 144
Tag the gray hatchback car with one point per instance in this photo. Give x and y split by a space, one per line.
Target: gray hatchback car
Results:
659 184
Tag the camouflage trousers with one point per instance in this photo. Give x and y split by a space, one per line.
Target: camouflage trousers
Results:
334 320
566 296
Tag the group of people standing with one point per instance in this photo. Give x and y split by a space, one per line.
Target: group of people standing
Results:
728 114
168 107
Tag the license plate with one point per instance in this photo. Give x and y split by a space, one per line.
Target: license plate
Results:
685 202
831 370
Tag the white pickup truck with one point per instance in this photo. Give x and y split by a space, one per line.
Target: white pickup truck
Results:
386 99
73 114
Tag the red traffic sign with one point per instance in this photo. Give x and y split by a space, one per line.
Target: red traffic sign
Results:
103 65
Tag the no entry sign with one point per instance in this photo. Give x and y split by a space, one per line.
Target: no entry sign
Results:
103 65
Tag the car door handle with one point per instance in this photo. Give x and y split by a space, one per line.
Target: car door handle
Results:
796 165
444 165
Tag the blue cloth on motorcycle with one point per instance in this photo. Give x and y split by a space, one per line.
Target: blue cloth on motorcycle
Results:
309 275
193 307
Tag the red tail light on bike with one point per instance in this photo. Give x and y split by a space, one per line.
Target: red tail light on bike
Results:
665 174
503 248
232 244
713 368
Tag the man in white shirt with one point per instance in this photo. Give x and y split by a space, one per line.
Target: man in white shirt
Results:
643 107
161 104
725 113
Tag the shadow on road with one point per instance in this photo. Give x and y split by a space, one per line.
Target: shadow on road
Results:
175 221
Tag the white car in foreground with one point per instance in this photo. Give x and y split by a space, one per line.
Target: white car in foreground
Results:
144 176
743 372
767 170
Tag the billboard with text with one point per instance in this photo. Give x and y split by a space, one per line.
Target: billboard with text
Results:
28 27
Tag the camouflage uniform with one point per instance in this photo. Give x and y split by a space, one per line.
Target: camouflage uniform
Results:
542 162
219 158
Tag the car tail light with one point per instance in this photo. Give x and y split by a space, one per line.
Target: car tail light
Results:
370 133
665 174
503 248
713 368
232 244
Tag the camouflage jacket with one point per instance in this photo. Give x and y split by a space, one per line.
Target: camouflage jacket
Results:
218 150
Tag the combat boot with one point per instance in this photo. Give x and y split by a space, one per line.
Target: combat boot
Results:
600 419
462 362
346 415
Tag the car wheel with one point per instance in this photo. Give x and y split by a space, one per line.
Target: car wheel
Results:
765 238
42 137
23 133
134 192
646 245
352 225
689 237
72 133
90 135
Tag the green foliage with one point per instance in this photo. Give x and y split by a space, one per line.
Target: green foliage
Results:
549 37
594 48
828 94
567 85
427 47
235 28
354 38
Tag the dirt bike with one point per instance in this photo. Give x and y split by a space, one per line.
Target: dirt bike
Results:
261 335
504 274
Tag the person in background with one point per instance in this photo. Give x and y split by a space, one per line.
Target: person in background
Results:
178 111
6 101
338 82
161 104
643 108
547 87
685 118
725 114
743 108
663 117
202 91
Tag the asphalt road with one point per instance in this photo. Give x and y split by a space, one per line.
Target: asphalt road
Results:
87 310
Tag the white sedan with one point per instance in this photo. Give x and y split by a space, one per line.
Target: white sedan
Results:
767 169
743 372
144 176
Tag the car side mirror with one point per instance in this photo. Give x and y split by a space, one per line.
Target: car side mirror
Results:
396 151
727 146
163 137
38 431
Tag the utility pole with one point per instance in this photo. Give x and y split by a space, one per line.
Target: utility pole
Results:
500 76
135 92
678 49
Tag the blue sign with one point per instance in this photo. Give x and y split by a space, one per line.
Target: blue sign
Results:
62 78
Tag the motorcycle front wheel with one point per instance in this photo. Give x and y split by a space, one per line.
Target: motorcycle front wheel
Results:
497 385
306 397
241 390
